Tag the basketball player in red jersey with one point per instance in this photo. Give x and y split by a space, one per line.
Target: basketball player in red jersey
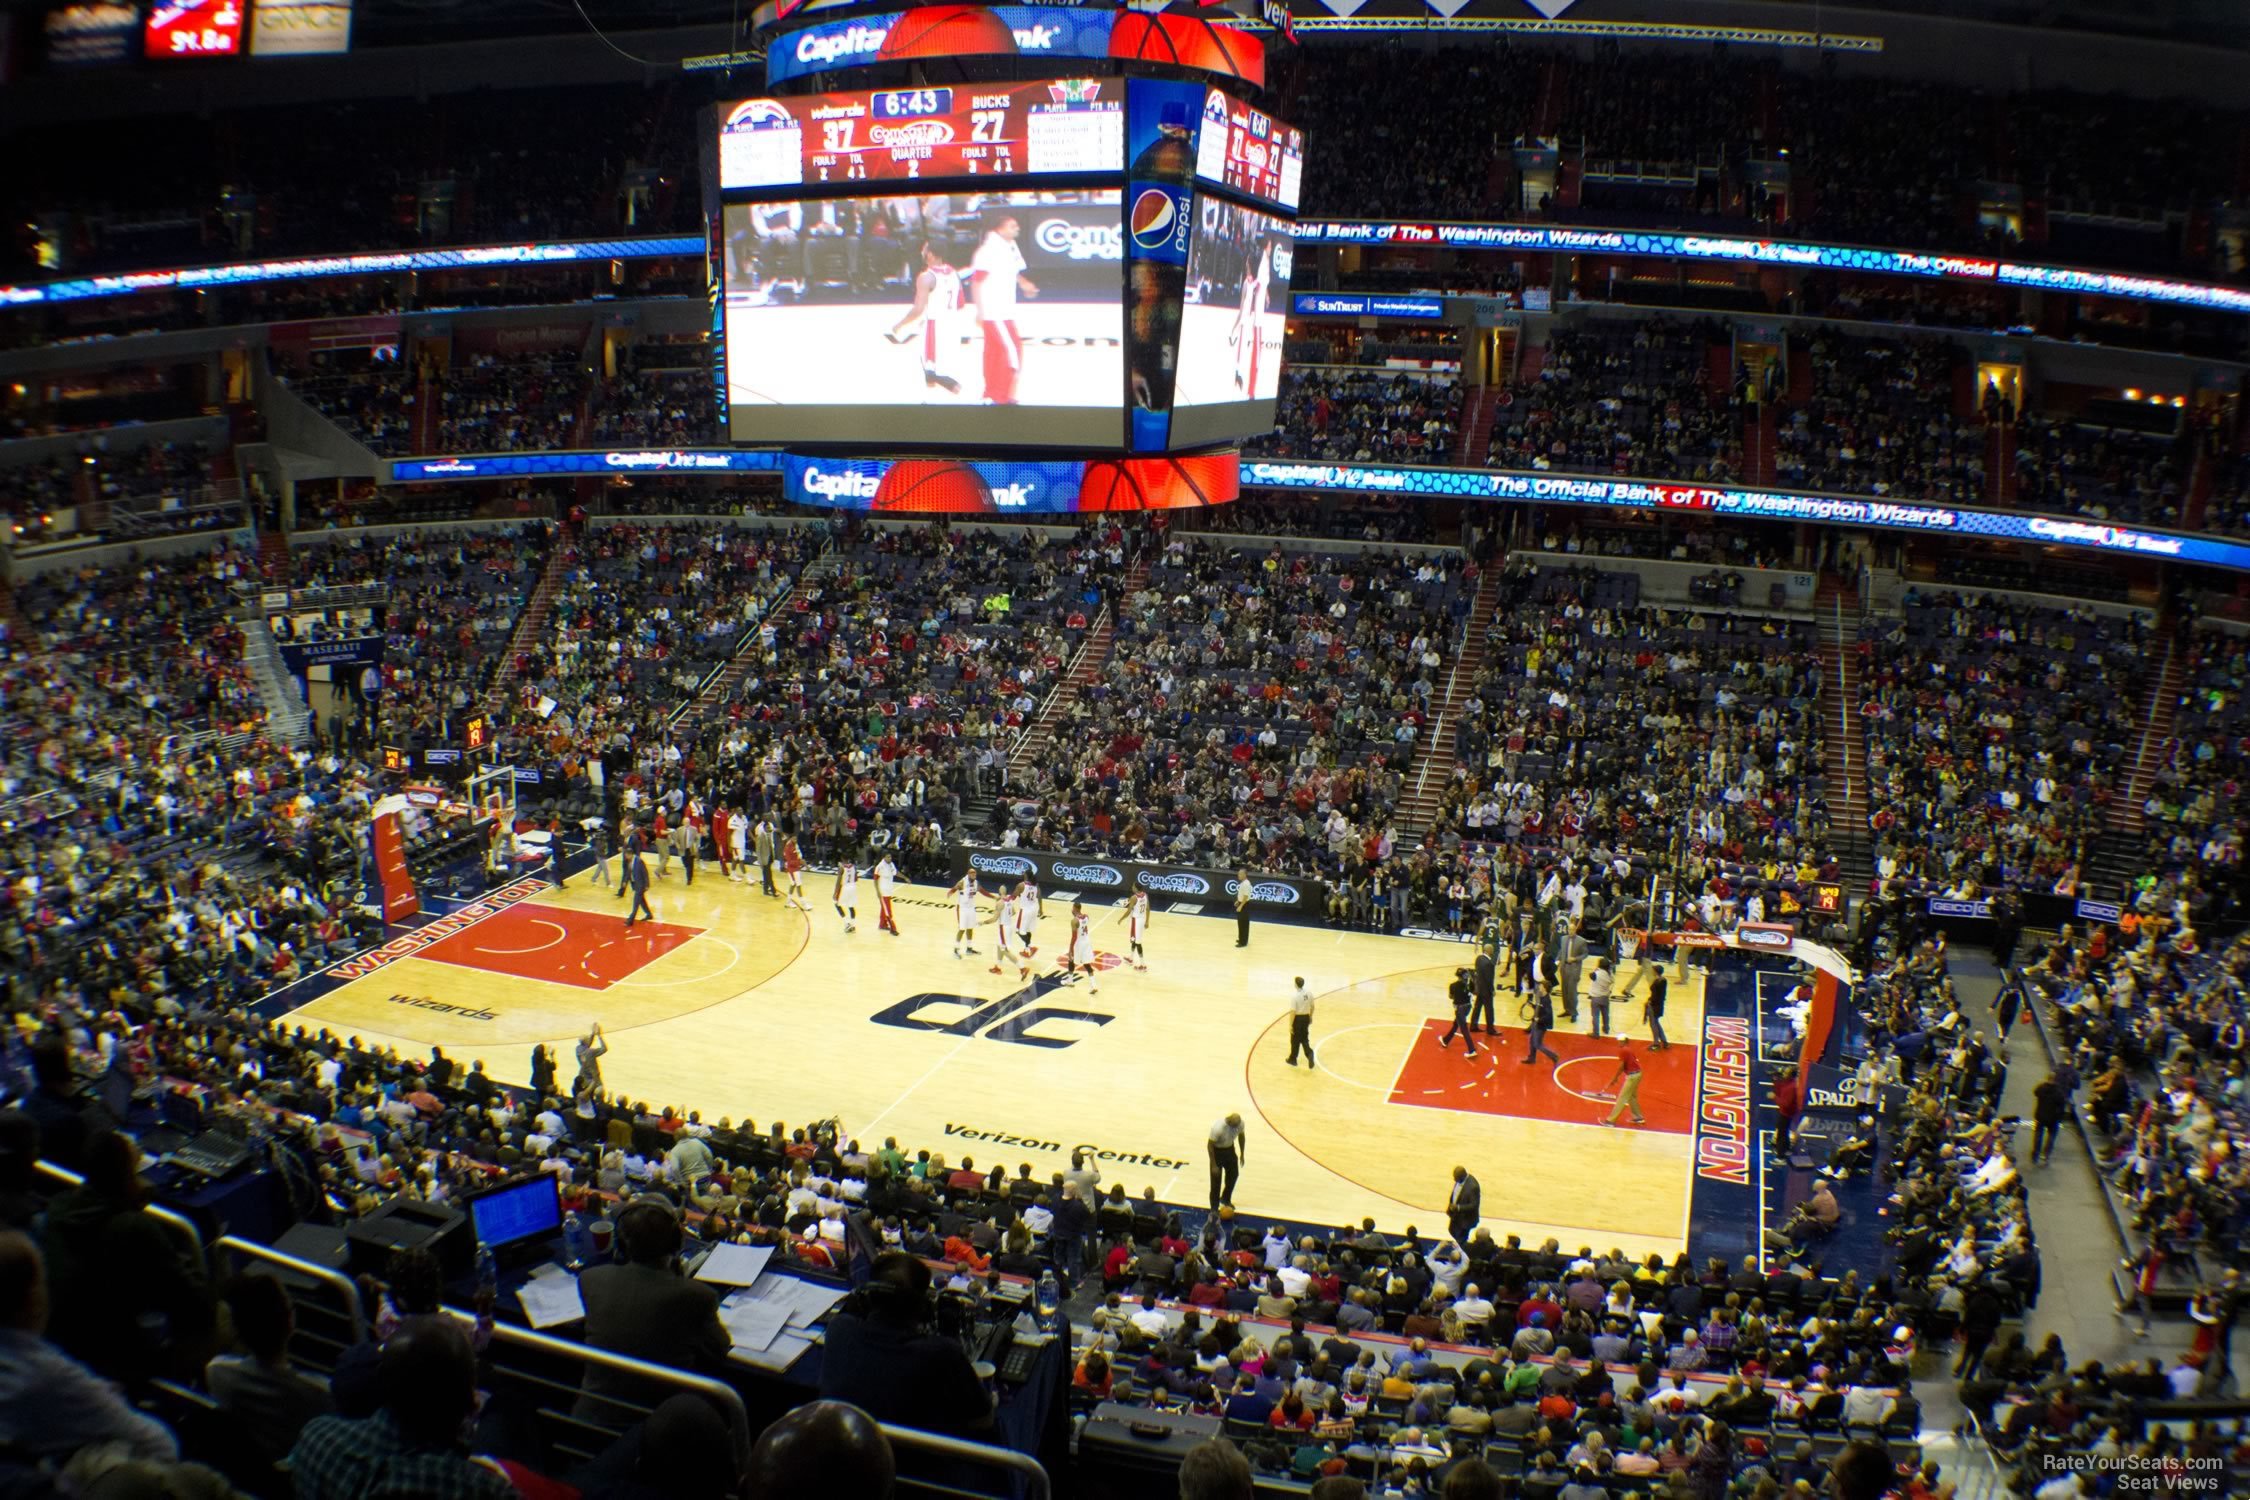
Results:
938 301
996 275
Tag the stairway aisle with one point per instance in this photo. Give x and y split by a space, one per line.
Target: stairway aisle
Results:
1085 669
536 612
2155 747
722 684
1432 769
1836 605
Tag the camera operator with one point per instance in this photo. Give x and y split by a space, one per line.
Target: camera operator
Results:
882 1356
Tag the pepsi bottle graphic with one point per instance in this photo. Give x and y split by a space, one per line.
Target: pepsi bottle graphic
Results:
1171 156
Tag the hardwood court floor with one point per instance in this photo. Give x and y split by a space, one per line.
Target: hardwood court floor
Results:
736 1006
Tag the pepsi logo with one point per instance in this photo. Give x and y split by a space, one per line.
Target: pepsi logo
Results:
1156 213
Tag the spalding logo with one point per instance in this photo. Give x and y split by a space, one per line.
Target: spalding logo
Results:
1178 885
1086 874
1154 214
1002 864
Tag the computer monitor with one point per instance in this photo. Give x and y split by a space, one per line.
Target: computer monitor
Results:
527 1210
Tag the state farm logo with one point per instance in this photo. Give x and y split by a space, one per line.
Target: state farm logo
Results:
916 133
1087 874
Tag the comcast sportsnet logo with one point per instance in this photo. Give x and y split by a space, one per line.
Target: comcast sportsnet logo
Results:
1156 215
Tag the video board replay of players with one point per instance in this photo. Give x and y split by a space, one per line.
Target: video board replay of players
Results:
988 264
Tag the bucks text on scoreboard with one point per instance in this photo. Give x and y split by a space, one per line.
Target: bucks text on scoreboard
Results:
1053 127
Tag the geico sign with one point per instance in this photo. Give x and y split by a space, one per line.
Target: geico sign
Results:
851 484
1080 241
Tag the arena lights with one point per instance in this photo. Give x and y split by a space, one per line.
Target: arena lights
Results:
1745 505
1550 238
375 263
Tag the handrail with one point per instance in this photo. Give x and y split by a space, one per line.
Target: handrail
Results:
155 1211
728 1398
1022 1465
344 1285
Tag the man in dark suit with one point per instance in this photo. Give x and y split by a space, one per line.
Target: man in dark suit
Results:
1465 1207
646 1309
1242 908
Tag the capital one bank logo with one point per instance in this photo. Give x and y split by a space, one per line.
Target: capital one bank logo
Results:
1008 1019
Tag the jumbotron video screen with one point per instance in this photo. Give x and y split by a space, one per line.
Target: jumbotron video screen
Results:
952 265
958 317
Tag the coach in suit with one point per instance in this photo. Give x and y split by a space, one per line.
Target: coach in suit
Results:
1465 1207
647 1309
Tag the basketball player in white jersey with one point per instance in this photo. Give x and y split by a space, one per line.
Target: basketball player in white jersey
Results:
1030 907
964 913
846 894
1010 945
1256 286
738 834
1082 947
996 275
938 303
886 886
1135 918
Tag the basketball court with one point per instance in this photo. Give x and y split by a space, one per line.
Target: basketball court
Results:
736 1006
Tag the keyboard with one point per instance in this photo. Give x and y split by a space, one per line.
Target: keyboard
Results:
212 1154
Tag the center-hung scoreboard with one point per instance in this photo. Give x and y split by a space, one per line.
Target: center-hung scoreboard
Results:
1035 228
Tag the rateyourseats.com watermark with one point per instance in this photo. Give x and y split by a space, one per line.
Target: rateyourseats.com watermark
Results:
2136 1474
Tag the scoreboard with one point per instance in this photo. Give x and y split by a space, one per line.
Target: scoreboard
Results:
1051 128
1250 151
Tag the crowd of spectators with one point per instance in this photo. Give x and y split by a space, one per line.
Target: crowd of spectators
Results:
663 400
1259 705
1364 416
1882 420
1997 734
1599 723
2110 474
1622 397
1871 160
1586 1368
158 474
569 161
453 602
